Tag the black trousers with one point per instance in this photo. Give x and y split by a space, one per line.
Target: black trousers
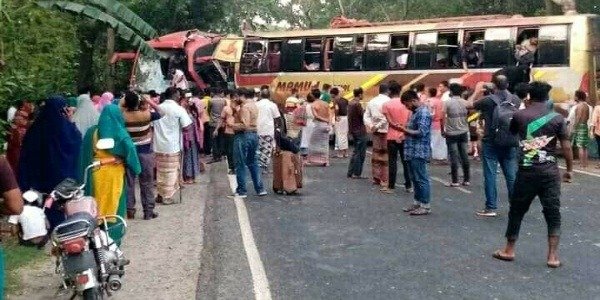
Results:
459 155
229 150
359 154
395 148
218 145
208 131
543 182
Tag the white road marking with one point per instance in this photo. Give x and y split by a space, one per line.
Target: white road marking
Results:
257 269
445 183
232 183
440 181
582 172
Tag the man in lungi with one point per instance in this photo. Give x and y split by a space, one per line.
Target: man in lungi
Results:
167 146
377 124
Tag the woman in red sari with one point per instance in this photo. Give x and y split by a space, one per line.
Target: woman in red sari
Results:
19 127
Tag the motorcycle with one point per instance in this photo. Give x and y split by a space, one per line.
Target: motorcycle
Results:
88 260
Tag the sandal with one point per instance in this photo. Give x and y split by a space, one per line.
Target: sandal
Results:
498 255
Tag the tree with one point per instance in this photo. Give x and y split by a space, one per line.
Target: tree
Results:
103 13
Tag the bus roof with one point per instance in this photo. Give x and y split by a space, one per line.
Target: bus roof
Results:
426 25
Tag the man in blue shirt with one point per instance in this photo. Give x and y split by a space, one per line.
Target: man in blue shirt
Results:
417 152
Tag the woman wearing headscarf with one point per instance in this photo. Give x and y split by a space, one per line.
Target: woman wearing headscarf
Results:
19 126
104 100
49 152
86 114
107 183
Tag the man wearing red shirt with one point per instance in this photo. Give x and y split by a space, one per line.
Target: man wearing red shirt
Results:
396 114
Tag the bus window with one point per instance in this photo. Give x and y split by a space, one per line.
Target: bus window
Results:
553 45
527 46
291 55
253 59
399 53
376 52
424 51
274 56
497 51
343 54
471 52
312 54
447 51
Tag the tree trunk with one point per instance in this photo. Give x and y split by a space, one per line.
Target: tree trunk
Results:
87 35
109 69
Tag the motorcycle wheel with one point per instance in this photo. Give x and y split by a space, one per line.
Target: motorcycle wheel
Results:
92 294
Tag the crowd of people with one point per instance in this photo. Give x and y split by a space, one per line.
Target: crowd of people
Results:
518 132
163 141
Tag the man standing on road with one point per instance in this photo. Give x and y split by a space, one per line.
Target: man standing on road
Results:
495 152
358 131
580 129
376 123
245 118
396 113
217 103
539 130
269 118
417 151
138 119
456 132
340 108
167 145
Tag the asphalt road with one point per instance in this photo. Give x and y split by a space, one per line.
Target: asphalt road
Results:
343 239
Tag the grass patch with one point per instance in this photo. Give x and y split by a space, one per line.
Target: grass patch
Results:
16 257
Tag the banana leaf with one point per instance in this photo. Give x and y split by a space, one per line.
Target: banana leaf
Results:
127 16
121 29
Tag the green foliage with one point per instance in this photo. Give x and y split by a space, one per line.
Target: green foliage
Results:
38 48
122 30
127 16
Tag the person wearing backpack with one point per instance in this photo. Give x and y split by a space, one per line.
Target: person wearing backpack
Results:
540 129
499 144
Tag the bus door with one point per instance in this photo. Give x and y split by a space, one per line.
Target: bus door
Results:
553 45
498 49
376 54
425 50
292 53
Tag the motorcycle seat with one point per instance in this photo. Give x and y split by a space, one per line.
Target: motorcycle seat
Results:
67 187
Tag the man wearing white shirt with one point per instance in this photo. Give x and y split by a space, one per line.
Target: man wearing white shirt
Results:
444 90
268 117
179 81
167 145
377 124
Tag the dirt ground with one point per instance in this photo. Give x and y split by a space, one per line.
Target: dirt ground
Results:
164 253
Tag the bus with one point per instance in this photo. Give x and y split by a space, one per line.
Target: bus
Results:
190 51
365 54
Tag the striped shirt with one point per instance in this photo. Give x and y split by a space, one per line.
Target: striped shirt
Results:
138 124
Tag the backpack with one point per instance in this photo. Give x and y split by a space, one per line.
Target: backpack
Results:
501 118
